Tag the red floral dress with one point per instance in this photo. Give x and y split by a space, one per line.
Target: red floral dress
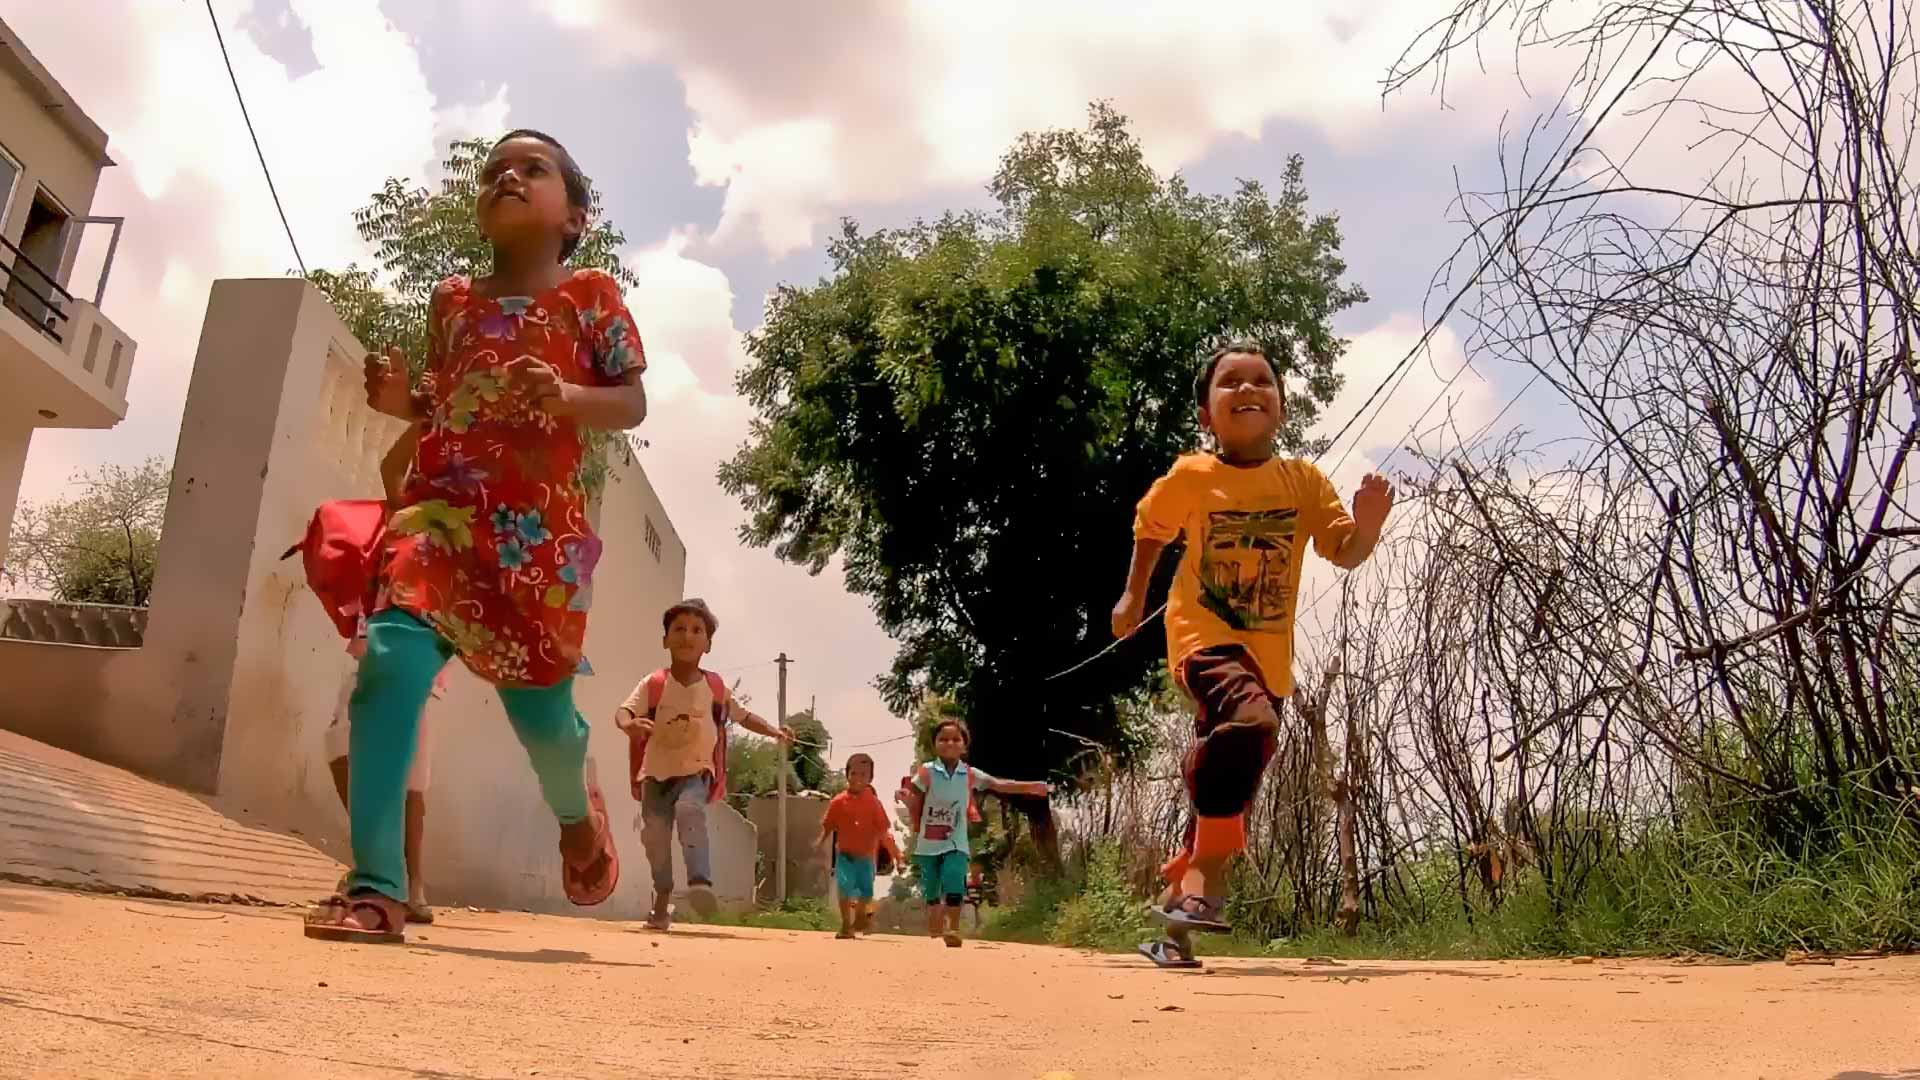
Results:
493 549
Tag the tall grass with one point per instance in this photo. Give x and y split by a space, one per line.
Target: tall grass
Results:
1693 888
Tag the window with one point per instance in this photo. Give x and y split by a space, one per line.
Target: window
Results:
653 539
34 288
9 179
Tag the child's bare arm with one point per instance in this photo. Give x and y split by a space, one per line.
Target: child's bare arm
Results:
608 408
916 802
1133 602
1038 789
1358 548
1371 505
394 466
631 715
760 726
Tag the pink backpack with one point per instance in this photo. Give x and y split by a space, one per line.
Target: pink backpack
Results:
656 685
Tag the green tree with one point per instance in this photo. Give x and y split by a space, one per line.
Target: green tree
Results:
98 546
753 768
810 746
753 763
966 410
420 238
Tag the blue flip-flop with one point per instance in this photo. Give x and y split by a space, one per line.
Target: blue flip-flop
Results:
1205 918
1169 954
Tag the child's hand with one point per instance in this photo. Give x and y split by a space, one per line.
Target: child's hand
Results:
785 734
1372 503
633 725
386 379
539 382
1126 614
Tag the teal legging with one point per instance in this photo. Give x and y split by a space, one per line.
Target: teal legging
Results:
396 677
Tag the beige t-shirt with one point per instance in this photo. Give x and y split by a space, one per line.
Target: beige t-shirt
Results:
684 733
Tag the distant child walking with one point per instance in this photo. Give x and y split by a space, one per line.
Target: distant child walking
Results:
1245 515
491 558
858 827
940 799
676 720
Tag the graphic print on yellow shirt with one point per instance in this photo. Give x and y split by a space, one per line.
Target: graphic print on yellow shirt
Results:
1246 564
1239 578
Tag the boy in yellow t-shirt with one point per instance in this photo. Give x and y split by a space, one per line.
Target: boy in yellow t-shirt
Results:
1245 515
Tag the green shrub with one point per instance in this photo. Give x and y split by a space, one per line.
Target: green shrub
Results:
1102 913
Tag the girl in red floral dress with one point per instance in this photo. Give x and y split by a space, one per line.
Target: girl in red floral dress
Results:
491 557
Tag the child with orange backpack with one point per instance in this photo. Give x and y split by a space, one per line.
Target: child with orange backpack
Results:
676 722
940 800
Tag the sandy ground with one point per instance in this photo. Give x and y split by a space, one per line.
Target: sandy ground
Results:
103 986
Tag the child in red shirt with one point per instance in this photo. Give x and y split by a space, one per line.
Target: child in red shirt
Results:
857 823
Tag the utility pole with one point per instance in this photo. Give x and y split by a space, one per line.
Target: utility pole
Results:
780 871
833 887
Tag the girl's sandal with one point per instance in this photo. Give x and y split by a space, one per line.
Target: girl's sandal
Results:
952 940
592 881
1170 953
368 918
1187 913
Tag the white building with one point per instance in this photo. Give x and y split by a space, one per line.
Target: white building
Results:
63 363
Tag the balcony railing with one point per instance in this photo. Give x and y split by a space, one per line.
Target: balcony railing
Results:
36 287
50 622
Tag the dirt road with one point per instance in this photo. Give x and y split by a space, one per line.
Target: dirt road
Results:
107 987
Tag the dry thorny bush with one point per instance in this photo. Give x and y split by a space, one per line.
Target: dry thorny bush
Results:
1702 599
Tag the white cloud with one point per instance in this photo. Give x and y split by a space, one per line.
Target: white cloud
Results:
486 118
798 113
1418 408
190 186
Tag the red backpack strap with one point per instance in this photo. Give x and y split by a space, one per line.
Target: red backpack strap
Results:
973 812
719 687
656 687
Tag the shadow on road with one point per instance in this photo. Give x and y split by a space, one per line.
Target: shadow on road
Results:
21 900
686 932
1343 973
537 956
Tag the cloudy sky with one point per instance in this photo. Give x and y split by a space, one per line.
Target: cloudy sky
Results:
727 137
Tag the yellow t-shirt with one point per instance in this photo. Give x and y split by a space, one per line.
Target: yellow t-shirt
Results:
1239 580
